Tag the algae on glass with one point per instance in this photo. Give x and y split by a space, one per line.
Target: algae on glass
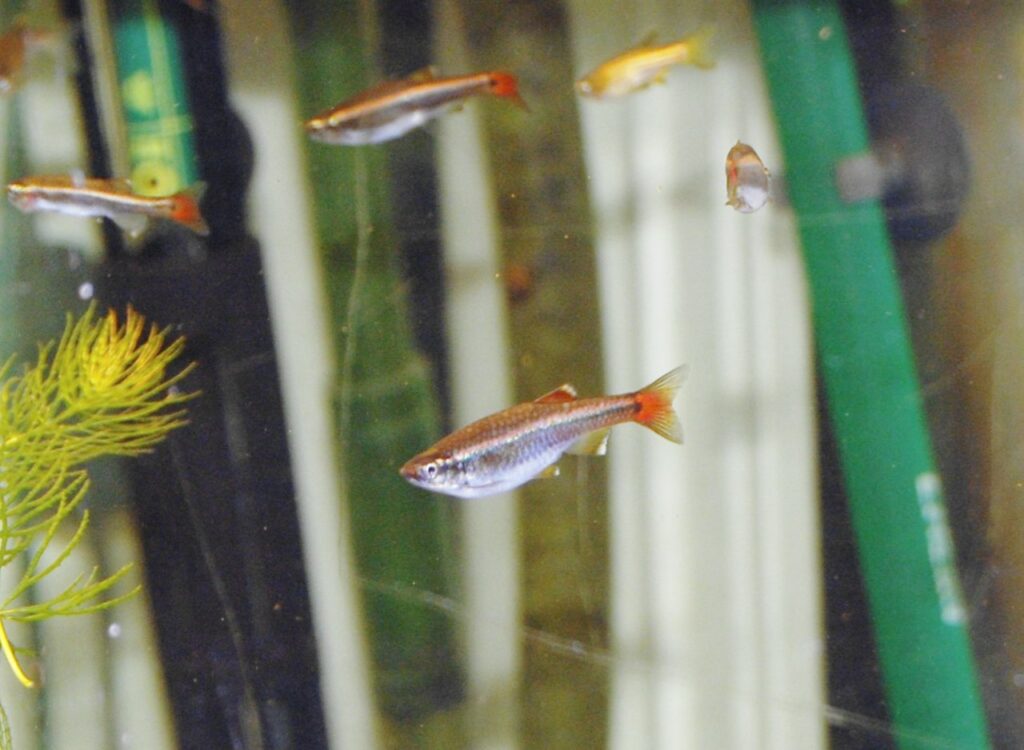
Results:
102 390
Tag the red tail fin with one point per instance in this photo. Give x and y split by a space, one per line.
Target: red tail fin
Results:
185 209
655 402
506 86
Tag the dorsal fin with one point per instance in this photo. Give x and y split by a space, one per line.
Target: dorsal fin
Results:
122 184
428 73
562 394
648 39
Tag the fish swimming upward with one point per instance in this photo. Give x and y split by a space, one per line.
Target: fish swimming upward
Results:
114 199
645 64
747 180
506 449
391 109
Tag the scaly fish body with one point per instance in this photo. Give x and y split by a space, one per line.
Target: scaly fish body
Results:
391 109
645 64
113 199
747 180
506 449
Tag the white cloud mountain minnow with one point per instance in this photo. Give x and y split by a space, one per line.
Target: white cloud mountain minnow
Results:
747 180
393 108
506 449
114 199
645 64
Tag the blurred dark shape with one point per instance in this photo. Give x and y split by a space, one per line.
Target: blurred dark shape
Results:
920 145
520 281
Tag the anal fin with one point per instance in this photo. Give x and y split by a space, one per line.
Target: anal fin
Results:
132 224
592 444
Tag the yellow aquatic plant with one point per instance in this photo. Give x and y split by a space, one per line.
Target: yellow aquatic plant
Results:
103 389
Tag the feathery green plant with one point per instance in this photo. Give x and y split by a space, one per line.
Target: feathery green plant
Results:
103 389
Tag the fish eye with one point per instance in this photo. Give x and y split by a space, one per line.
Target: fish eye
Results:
430 470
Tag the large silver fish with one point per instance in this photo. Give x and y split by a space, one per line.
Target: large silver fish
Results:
506 449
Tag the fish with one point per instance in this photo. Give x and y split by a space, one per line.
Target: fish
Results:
391 109
113 198
747 179
646 64
509 448
16 45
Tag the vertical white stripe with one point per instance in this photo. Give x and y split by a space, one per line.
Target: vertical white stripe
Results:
708 541
480 384
141 709
73 654
259 56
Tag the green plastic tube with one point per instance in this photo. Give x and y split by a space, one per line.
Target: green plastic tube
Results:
154 100
894 491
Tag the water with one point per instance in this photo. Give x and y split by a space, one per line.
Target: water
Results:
351 305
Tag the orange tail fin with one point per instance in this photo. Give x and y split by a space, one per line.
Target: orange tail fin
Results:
185 209
697 48
506 85
655 401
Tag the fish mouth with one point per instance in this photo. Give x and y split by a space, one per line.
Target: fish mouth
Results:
409 473
316 126
18 197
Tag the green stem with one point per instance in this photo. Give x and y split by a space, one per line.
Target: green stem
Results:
12 659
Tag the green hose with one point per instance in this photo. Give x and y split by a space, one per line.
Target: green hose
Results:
874 401
154 100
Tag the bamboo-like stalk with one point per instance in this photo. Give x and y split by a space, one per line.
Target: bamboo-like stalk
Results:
386 409
548 270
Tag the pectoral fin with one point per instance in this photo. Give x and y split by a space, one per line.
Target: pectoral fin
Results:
592 444
428 73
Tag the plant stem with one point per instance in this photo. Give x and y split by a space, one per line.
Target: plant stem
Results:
12 659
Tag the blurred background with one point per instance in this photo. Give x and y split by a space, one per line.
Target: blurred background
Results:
831 560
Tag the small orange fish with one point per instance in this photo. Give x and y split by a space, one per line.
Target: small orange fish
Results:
645 64
747 180
506 449
114 199
16 45
391 109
